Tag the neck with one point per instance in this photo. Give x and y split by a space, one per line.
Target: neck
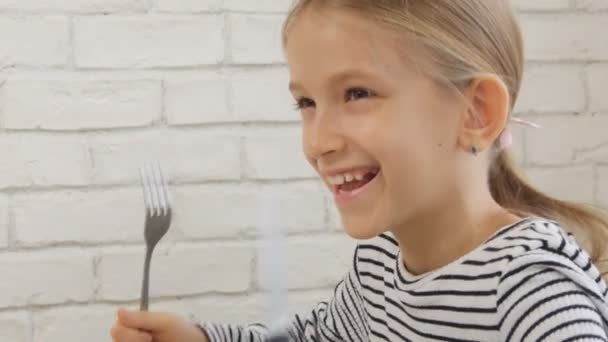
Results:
440 236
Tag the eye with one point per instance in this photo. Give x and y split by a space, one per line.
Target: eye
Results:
303 103
354 94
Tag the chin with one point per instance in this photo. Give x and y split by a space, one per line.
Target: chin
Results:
362 230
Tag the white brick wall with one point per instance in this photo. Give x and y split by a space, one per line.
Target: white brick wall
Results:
81 104
15 326
70 6
90 89
148 41
597 74
42 160
36 41
4 221
47 277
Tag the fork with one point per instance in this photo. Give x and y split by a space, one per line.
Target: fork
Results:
158 219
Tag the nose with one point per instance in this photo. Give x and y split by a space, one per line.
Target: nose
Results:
322 135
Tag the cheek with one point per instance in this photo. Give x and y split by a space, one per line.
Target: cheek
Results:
411 157
305 143
404 160
405 140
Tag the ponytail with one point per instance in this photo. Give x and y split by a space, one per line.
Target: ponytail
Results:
589 224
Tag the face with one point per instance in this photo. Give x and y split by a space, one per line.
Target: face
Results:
382 136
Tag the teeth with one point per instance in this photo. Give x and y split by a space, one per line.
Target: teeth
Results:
336 180
345 178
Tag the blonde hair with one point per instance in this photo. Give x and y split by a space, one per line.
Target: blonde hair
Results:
464 39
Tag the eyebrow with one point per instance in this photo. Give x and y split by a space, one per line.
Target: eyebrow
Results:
337 77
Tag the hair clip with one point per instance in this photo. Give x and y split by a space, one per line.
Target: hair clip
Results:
506 137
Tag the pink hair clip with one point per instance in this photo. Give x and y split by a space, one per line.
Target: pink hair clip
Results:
506 138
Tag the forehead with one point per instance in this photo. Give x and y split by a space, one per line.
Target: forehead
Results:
325 41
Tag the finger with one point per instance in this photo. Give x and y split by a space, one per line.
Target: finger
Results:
144 320
122 334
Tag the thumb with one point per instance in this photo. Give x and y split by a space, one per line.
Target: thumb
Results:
144 320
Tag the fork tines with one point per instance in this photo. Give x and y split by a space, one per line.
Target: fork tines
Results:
156 198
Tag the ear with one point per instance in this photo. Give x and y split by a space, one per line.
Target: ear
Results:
485 114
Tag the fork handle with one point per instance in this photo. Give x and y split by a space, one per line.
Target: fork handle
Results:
145 287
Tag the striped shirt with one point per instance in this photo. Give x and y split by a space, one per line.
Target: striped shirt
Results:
528 282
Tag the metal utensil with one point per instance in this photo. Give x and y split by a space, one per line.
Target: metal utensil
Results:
158 219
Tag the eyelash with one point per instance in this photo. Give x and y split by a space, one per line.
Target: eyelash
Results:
300 103
303 102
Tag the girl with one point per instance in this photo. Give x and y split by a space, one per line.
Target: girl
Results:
405 112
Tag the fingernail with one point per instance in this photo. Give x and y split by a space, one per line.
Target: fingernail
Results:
122 312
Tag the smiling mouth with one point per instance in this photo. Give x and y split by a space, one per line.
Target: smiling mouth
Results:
349 182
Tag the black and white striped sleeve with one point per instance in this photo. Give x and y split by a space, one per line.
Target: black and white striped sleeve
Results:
340 319
539 298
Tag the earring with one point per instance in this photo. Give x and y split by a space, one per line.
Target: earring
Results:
474 150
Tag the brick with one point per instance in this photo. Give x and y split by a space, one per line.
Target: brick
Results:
15 327
276 157
542 5
602 186
148 42
184 156
574 183
4 221
33 160
241 309
78 217
597 78
552 88
70 6
198 101
302 209
256 39
568 139
187 6
262 95
258 5
565 36
34 42
78 104
74 324
180 270
40 278
333 252
91 323
591 5
303 302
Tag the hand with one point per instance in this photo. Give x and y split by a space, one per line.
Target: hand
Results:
139 326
